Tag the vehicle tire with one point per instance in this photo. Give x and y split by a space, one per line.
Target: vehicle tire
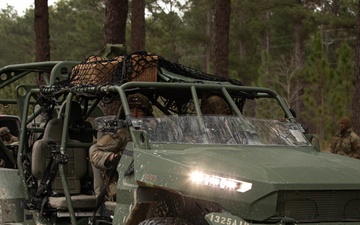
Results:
165 221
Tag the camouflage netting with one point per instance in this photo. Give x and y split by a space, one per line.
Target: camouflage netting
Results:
141 66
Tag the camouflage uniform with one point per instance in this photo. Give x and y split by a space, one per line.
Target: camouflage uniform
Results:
6 137
215 105
107 145
346 142
115 143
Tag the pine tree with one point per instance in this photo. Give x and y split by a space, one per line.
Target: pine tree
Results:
356 95
137 25
221 37
318 77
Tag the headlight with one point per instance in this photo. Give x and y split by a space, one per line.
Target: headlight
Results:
220 182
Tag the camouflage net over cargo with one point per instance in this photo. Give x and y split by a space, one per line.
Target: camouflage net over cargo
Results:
141 66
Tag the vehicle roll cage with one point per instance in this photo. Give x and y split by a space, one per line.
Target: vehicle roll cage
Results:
171 87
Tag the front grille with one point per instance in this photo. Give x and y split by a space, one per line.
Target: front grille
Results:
316 206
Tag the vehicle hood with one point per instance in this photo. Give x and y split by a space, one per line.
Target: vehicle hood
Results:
271 170
288 166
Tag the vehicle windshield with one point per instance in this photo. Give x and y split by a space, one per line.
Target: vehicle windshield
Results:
226 130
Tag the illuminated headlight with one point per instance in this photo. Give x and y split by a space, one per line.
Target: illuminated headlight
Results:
220 182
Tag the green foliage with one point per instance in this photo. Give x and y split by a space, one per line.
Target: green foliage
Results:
76 29
17 38
281 75
263 38
320 89
195 32
174 35
343 84
246 29
163 36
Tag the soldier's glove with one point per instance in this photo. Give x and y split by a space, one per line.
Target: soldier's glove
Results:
112 161
115 160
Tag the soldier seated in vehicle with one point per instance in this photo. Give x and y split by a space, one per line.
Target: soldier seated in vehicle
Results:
108 149
216 128
215 105
7 137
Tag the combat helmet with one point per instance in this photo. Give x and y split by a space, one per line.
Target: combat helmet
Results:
346 122
137 100
140 101
4 130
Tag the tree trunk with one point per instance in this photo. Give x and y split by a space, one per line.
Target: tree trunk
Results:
138 25
208 31
266 38
356 95
114 33
221 37
242 45
115 21
42 37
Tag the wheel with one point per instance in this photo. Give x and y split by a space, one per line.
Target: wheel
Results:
165 221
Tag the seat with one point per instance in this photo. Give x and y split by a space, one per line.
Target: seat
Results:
38 122
79 129
75 169
82 130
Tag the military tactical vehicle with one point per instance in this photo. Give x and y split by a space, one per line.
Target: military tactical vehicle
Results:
248 164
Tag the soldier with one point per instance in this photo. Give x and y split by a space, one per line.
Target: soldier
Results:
7 137
108 149
217 128
215 105
346 142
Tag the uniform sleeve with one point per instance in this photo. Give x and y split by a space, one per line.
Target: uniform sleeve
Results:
98 157
356 147
108 145
14 139
332 145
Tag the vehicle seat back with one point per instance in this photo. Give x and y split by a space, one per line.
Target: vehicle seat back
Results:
79 128
75 168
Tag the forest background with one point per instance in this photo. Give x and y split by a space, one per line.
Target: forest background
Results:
304 50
